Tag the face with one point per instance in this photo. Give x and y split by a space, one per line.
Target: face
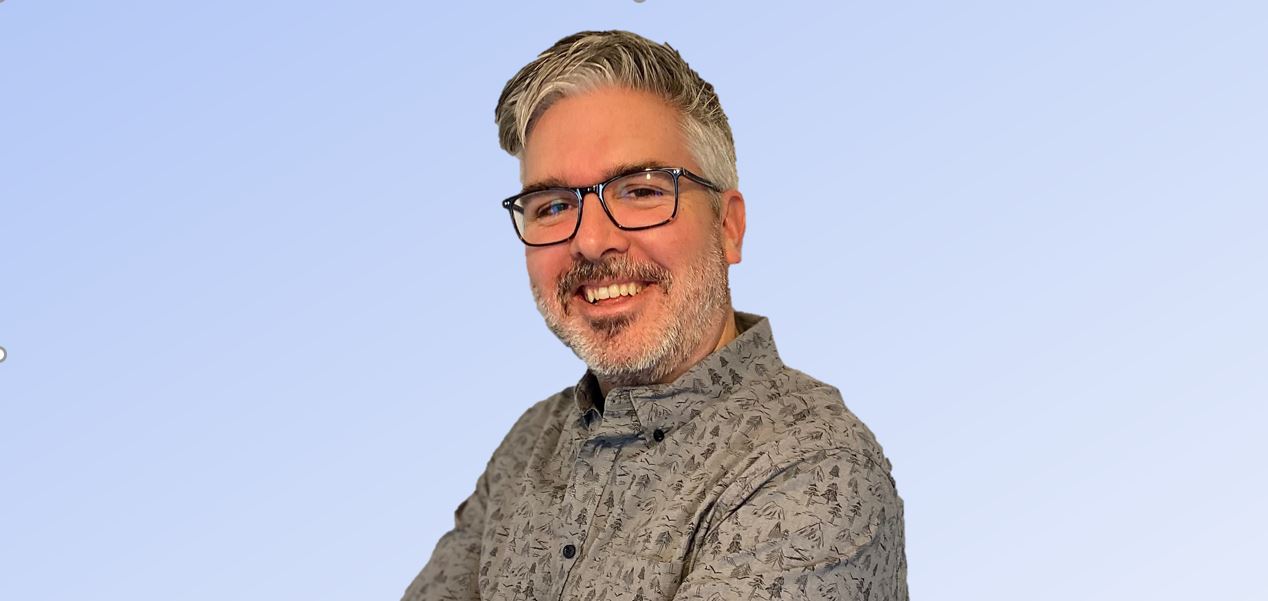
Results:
666 287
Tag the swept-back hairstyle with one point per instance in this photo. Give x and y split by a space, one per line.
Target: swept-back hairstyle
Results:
593 59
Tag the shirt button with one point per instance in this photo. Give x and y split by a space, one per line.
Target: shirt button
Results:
569 551
658 435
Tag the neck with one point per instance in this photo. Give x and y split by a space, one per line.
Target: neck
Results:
718 336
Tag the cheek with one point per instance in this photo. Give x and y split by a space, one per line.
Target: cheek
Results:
544 267
673 248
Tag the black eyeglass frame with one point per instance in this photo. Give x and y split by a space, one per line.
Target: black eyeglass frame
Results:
597 189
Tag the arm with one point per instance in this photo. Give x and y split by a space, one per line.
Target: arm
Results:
827 526
452 571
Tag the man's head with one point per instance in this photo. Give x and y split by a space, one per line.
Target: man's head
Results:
594 106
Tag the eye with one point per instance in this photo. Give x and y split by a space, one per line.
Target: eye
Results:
549 207
552 208
642 192
646 187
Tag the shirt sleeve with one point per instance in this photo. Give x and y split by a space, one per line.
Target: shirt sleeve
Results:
452 572
828 526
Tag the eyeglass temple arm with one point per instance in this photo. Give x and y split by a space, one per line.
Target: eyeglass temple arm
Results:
700 180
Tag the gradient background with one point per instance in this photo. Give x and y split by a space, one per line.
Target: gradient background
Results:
266 320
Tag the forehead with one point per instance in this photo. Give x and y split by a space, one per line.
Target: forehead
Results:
580 138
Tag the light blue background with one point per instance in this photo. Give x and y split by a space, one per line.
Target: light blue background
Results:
266 320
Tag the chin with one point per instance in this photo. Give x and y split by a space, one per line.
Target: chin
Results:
615 350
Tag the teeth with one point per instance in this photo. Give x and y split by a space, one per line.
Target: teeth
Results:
594 295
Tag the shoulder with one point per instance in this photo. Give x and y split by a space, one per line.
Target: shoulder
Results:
544 414
545 418
790 423
807 485
802 416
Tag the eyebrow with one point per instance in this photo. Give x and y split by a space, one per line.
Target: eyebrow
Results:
621 169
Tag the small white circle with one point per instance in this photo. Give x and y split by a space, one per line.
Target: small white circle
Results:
2 353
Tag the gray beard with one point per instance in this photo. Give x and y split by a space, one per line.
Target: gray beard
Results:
698 301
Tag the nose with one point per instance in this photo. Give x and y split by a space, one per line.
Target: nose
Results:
597 235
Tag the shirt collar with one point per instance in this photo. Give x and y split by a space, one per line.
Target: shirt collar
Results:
666 406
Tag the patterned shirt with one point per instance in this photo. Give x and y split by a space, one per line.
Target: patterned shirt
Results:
742 479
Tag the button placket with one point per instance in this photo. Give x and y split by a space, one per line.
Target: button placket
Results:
592 468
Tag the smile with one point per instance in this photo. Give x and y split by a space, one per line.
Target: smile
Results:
594 294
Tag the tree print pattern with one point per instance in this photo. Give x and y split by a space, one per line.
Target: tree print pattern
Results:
742 479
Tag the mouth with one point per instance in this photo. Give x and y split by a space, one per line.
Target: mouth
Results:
610 293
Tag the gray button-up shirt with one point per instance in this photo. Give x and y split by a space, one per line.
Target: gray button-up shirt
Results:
742 479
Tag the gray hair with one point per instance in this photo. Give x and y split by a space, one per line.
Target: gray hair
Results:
593 59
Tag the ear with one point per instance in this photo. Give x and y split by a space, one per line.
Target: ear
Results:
732 225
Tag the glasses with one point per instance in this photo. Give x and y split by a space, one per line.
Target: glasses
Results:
637 200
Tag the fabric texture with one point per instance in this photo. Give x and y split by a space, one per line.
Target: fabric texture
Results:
742 479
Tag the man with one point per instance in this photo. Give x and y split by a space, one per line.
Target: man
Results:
689 462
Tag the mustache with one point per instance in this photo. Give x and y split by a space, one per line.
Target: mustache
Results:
619 267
